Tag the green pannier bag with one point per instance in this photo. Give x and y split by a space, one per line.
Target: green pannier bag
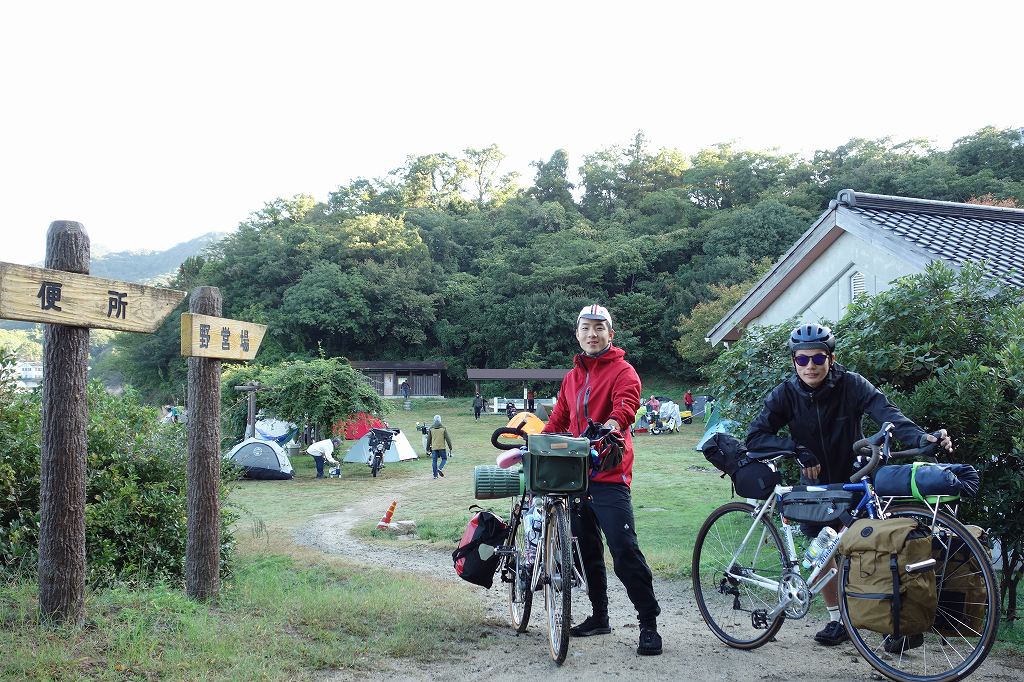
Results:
880 594
556 464
963 599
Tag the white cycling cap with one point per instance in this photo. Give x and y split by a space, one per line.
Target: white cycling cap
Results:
595 312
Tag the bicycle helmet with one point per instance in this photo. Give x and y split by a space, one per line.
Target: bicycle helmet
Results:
810 336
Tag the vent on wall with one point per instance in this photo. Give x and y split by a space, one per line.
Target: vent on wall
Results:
857 285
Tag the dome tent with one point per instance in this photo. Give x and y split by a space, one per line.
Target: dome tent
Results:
261 459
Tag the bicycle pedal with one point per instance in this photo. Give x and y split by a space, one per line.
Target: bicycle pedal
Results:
759 619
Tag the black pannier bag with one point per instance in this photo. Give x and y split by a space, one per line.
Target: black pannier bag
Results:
821 508
750 478
475 558
923 479
881 594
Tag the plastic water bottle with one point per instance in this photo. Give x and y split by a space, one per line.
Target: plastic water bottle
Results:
533 523
818 546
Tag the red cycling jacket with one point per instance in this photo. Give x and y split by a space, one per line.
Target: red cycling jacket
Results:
602 388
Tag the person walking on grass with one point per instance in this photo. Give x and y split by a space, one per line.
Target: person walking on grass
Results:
478 405
605 388
440 445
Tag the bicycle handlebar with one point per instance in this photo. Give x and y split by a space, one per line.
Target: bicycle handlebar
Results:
878 446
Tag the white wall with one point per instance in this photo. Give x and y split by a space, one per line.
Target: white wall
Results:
822 291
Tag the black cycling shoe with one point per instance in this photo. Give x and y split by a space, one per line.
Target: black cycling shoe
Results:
897 645
834 633
650 642
591 626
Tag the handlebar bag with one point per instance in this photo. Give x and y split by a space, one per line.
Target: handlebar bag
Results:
881 595
819 508
484 530
750 478
923 479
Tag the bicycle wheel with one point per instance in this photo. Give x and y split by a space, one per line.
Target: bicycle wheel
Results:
558 582
375 465
730 605
517 572
966 619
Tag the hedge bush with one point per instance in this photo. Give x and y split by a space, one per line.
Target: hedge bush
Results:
135 519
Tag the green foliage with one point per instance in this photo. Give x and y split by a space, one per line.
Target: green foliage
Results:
447 259
946 347
135 491
318 392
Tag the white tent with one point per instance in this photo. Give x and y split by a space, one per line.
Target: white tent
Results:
399 451
262 459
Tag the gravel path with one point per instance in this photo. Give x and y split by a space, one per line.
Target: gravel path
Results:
691 651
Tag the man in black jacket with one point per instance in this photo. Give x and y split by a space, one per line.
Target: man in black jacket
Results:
822 404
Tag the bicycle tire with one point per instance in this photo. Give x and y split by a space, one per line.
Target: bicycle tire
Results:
927 661
520 596
375 465
507 431
722 599
558 584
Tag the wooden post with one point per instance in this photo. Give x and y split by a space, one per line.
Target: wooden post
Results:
202 549
62 458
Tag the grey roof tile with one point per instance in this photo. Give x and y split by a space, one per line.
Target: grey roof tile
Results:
956 233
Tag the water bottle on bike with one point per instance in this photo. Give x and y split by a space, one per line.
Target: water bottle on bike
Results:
533 524
818 546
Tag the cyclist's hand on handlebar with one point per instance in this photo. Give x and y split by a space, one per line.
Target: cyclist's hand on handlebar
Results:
809 465
940 437
610 450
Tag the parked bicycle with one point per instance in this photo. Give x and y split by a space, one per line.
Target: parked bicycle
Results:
540 553
748 578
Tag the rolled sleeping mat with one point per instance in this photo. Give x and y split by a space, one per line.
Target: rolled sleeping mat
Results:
491 482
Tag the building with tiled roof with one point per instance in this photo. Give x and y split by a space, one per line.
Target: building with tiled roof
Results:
865 241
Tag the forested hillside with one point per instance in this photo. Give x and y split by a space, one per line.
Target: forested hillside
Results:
448 258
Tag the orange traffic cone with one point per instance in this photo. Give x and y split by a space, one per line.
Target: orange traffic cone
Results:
386 519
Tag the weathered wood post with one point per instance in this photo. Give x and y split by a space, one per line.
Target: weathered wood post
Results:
64 422
202 549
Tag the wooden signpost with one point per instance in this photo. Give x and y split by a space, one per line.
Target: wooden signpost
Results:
206 339
59 297
64 298
205 336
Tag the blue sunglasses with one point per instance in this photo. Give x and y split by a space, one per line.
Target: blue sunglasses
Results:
803 360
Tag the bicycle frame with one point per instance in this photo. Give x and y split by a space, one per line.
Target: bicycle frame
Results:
537 577
815 581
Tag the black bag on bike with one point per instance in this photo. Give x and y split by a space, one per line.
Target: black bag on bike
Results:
750 477
880 594
963 597
818 508
475 558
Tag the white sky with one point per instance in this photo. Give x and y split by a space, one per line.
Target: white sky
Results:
154 123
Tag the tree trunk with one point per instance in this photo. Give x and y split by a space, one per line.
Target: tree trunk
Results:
65 418
202 549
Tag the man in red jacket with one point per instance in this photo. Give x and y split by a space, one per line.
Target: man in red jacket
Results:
604 387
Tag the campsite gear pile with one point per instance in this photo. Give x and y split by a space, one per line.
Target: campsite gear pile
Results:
890 576
751 478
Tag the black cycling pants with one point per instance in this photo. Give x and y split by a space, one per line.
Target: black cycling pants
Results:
609 509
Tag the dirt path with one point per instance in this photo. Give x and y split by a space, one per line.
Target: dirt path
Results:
691 651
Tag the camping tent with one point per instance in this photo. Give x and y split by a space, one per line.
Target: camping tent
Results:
357 425
276 430
399 451
261 459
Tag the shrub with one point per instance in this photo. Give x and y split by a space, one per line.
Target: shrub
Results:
135 519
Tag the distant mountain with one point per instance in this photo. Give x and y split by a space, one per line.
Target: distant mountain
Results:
150 266
145 267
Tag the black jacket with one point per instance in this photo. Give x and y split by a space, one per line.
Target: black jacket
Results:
827 421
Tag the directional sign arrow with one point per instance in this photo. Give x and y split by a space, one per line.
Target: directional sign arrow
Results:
58 297
205 336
